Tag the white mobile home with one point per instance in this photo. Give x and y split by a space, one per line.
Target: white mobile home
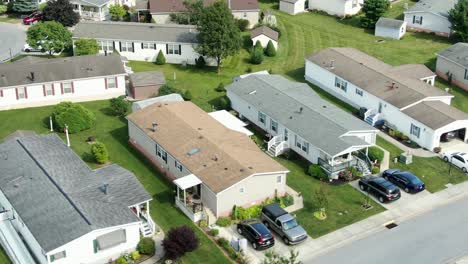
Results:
453 61
402 97
62 211
33 81
341 8
292 7
297 119
430 16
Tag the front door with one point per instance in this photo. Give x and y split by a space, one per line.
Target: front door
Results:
286 136
380 107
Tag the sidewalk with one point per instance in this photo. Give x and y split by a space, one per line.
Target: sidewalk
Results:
416 152
158 238
315 247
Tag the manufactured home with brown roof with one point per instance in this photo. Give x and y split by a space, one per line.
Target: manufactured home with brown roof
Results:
212 166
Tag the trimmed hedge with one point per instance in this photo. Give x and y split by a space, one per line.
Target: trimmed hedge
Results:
76 116
160 60
376 153
146 246
99 152
317 172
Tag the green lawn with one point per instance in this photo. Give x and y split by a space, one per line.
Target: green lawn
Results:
396 10
344 202
3 257
433 171
113 132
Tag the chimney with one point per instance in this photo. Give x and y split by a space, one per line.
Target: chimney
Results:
105 188
300 110
32 76
155 125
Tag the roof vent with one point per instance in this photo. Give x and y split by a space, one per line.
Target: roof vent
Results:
226 169
200 137
215 158
253 92
300 110
250 167
105 188
32 76
193 151
332 64
154 126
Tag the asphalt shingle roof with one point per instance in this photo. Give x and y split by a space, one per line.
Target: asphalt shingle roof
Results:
57 196
59 69
136 32
457 53
389 23
147 78
320 123
435 114
440 7
264 30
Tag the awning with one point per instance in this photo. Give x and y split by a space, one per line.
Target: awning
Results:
111 239
230 121
187 181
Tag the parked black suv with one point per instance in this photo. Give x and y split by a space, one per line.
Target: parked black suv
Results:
256 233
284 224
404 179
382 189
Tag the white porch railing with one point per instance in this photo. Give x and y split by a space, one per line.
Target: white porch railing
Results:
90 15
149 221
371 116
194 216
281 148
275 140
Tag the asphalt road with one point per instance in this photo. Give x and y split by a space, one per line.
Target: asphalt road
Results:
11 37
439 236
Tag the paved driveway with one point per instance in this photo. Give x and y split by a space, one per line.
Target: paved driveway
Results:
405 200
454 145
12 38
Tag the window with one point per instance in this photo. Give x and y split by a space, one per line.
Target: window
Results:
178 165
173 49
359 92
340 83
466 74
273 125
126 46
161 153
67 88
279 179
245 14
111 83
417 20
148 46
355 3
415 130
21 93
242 190
109 240
48 89
302 144
106 45
58 255
261 117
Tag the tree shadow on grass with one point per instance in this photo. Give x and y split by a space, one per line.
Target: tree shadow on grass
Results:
88 157
432 37
247 43
107 111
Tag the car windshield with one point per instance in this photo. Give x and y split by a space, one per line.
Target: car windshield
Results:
290 224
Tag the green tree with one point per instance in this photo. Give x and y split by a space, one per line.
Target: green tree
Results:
160 59
75 116
458 16
219 35
270 50
271 257
373 10
120 105
62 12
51 35
191 16
99 152
24 6
256 56
321 200
117 12
86 47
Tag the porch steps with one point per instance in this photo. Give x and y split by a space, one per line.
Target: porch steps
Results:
145 230
372 119
271 151
210 217
362 167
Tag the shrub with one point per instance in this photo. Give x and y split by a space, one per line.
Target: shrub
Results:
76 116
243 24
345 175
160 59
99 152
167 89
223 242
223 221
179 241
203 223
3 9
135 255
200 62
258 45
375 170
270 50
86 47
224 103
241 213
287 200
120 105
121 260
256 56
214 232
187 95
437 150
317 172
220 87
376 153
146 246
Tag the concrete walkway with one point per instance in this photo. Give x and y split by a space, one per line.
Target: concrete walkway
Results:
416 152
385 164
158 238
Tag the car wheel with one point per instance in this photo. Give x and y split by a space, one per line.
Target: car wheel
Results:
27 50
362 187
385 177
446 159
381 199
239 230
464 170
286 240
254 245
406 189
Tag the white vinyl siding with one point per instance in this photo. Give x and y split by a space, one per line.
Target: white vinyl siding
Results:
415 130
302 144
340 83
49 89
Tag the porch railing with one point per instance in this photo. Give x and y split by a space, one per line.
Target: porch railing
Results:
338 167
149 221
190 210
275 140
362 155
281 147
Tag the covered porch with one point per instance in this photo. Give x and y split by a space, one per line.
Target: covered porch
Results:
188 197
148 227
90 11
352 157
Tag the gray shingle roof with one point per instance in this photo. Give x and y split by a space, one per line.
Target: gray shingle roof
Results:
457 53
389 23
147 78
435 114
440 7
264 30
320 123
97 3
374 76
57 196
136 32
51 70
